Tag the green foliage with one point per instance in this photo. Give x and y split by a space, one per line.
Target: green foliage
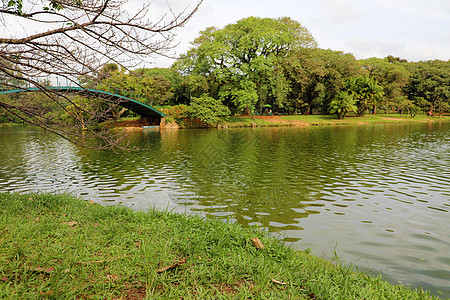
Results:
5 116
151 87
178 113
245 51
366 91
316 76
430 81
208 110
393 77
244 96
277 60
195 85
59 247
46 110
81 109
342 104
14 6
166 78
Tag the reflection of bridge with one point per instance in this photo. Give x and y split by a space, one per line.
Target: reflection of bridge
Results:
140 108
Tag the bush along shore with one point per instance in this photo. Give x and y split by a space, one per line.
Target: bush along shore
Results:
60 247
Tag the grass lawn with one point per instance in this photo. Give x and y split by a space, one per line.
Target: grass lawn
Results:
60 247
243 121
306 120
378 118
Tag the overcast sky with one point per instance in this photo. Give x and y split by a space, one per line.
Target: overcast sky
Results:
411 29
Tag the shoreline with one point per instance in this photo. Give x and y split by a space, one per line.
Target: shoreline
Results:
330 120
276 121
60 246
289 121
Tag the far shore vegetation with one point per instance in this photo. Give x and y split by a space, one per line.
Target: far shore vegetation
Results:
289 120
255 67
61 247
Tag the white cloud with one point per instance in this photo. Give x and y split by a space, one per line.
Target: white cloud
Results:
340 11
365 48
412 29
434 9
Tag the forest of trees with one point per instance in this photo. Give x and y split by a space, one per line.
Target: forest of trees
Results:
260 63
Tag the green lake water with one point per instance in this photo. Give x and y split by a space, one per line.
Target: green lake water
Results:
378 195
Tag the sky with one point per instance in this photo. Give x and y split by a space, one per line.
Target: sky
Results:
411 29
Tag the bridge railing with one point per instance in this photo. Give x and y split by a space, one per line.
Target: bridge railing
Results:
58 81
53 81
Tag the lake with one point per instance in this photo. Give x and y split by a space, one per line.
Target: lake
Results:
377 195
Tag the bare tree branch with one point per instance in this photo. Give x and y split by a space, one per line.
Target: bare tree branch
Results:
79 37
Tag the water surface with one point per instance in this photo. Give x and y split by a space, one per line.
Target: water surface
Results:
378 195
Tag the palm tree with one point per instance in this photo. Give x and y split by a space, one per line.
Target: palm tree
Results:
342 104
366 91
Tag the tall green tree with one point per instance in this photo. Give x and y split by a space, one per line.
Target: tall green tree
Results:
340 67
305 71
207 109
170 79
367 92
430 81
246 51
194 85
316 76
391 74
342 104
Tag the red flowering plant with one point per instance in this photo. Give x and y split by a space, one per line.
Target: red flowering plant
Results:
177 113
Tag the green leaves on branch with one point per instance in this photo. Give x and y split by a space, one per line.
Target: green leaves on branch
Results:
208 110
55 6
204 109
243 95
342 104
367 92
15 6
239 60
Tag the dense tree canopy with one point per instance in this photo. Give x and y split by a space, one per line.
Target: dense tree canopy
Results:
239 59
260 62
316 76
391 75
252 66
430 84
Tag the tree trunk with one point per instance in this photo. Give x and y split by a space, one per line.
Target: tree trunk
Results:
117 114
308 109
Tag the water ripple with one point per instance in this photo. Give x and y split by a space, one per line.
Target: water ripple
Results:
380 194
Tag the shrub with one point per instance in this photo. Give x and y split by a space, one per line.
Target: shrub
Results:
208 110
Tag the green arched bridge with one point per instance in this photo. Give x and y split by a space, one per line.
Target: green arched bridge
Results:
140 108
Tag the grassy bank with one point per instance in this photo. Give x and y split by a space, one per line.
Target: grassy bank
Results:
308 120
56 246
